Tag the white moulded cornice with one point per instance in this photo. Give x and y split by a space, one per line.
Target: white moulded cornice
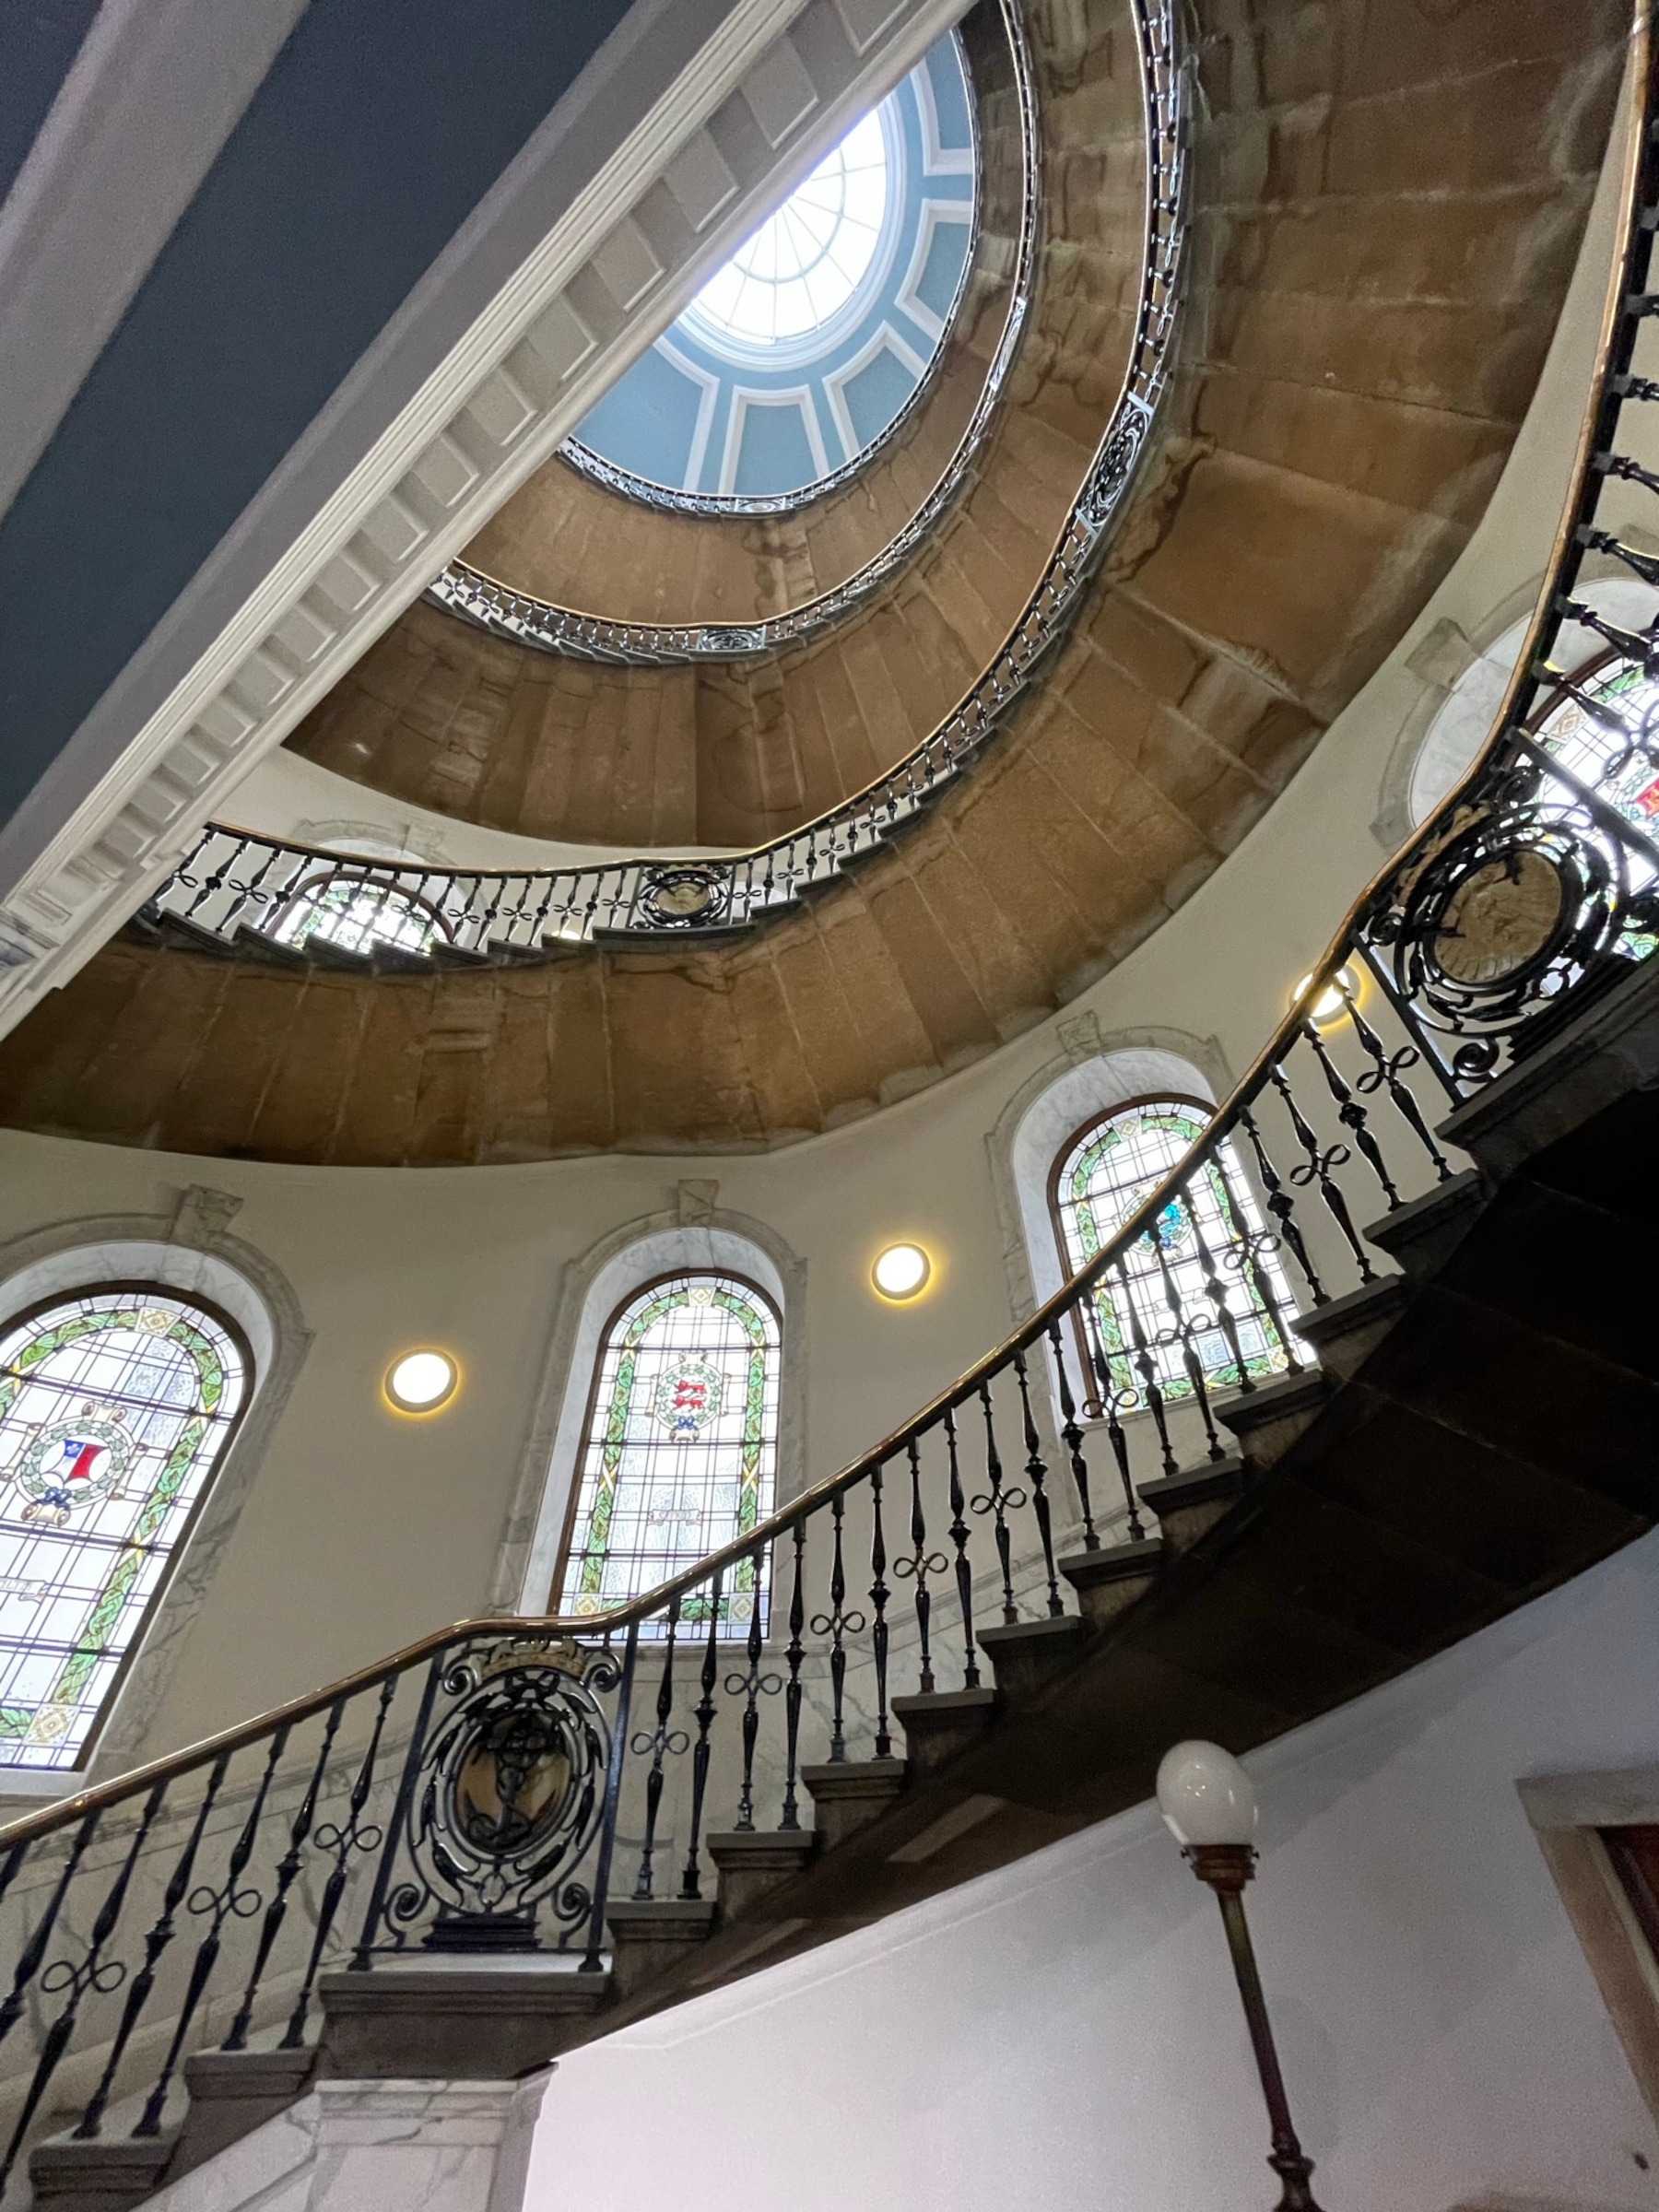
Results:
694 119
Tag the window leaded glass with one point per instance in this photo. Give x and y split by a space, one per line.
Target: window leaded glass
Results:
114 1409
355 912
1106 1172
680 1452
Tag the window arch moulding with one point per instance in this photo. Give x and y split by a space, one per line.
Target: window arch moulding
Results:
700 1239
190 1258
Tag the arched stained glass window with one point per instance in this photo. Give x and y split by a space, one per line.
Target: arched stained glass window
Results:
357 912
1104 1172
115 1407
679 1452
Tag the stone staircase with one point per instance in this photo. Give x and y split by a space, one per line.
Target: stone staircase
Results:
1478 1428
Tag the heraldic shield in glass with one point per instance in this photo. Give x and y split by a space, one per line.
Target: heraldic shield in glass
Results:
680 1453
114 1409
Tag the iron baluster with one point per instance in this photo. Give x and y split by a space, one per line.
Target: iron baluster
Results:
1141 1355
998 1503
1071 1436
1037 1476
663 1742
592 1959
1249 1244
1350 1111
691 1884
964 1573
1316 1168
920 1563
340 1839
1282 1206
836 1624
791 1819
1111 1398
878 1627
1384 1075
1183 1325
751 1686
1216 1291
103 1976
288 1870
161 1935
34 1950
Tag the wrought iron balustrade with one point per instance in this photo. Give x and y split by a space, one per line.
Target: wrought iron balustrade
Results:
235 882
505 1783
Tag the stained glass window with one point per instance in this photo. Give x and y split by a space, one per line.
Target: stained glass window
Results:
680 1453
1608 739
355 912
115 1409
1138 1317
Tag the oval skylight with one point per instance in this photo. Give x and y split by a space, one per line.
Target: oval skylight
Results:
799 354
804 263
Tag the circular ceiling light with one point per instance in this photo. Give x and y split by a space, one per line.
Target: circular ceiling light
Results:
807 261
1341 993
902 1271
421 1381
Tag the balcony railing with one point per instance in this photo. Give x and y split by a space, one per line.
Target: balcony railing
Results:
236 882
511 1782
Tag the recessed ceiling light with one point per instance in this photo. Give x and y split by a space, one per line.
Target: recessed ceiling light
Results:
421 1381
902 1271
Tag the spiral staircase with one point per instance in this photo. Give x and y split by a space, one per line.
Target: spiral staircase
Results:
978 1637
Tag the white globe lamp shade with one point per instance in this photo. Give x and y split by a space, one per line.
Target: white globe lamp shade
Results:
1204 1795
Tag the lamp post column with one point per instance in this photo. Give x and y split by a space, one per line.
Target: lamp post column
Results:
1226 1867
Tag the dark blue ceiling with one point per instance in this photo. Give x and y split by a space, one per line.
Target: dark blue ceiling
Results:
380 127
38 39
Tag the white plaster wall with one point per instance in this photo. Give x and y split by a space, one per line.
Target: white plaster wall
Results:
364 1530
1065 2034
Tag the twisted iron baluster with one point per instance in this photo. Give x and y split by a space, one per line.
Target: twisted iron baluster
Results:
1141 1357
920 1563
94 1972
1317 1168
878 1628
662 1742
691 1884
964 1573
792 1695
1384 1075
1037 1476
1350 1111
751 1686
1249 1246
1406 1015
339 1839
161 1935
1111 1398
1282 1206
1182 1327
1216 1291
288 1869
1071 1436
998 1503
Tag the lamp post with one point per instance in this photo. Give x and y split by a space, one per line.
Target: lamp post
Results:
1210 1807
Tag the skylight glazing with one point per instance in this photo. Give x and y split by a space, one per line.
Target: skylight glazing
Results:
807 261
